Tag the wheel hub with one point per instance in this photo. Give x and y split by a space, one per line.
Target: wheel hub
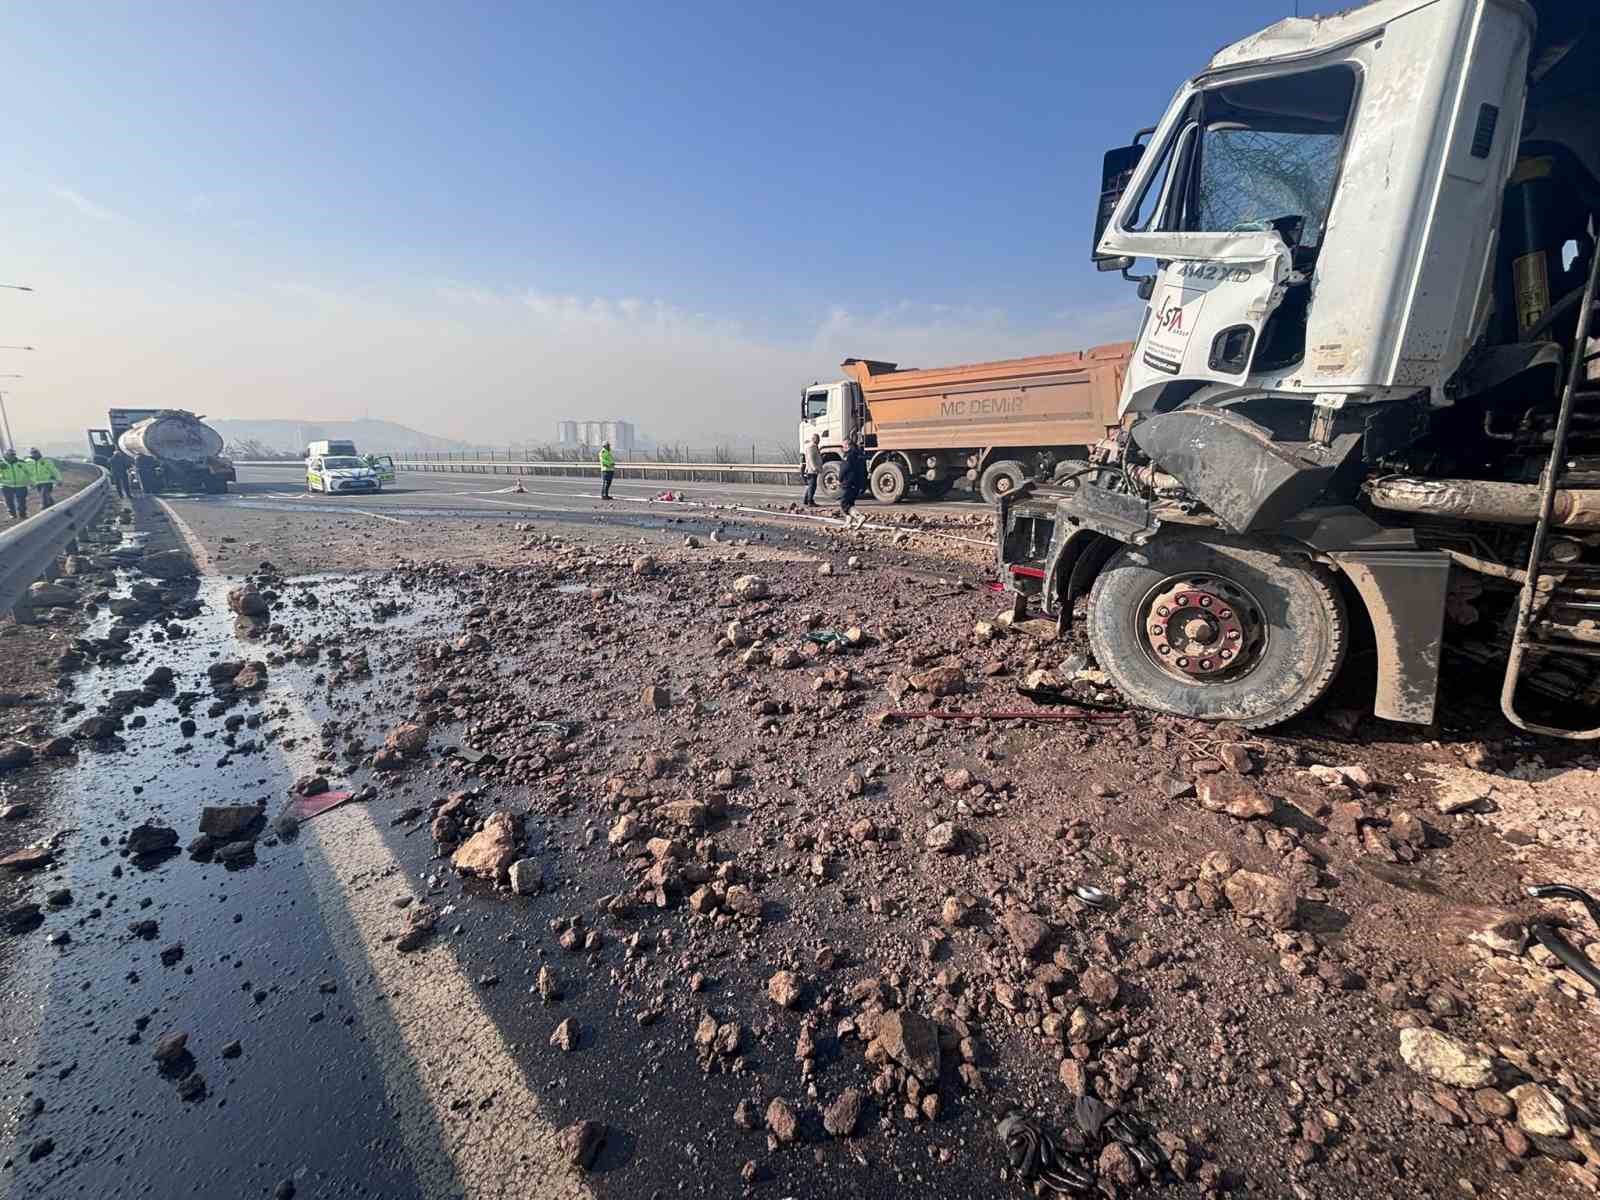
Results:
1195 629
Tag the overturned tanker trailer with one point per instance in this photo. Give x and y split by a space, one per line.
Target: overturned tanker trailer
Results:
1364 391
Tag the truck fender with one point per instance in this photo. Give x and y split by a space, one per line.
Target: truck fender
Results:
1236 467
1070 572
1403 593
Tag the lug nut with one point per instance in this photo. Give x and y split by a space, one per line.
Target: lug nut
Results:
1156 631
1183 662
1205 601
1205 664
1233 635
1163 611
1163 649
1181 598
1226 614
1227 654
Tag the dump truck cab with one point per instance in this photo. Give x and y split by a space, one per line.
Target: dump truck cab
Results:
832 412
1368 239
101 447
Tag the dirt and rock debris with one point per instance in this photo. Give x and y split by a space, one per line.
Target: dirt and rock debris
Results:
1126 954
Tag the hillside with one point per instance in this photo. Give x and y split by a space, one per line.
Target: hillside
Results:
290 437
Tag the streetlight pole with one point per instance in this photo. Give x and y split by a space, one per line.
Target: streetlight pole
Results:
5 419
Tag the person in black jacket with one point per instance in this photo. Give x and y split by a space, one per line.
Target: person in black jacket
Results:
120 463
853 477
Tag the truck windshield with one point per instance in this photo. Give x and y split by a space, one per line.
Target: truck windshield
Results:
342 464
816 405
1255 156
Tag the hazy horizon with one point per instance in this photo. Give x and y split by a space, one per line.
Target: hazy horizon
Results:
477 221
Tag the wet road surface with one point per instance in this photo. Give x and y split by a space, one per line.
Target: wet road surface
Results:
318 1056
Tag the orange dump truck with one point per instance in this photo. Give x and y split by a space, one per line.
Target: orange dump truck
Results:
992 424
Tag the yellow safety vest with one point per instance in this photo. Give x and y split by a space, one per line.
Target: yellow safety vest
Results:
44 470
608 461
15 474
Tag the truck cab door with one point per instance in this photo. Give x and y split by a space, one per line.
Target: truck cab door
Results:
820 414
1230 200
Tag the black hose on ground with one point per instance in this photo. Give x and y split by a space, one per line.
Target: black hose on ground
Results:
1550 938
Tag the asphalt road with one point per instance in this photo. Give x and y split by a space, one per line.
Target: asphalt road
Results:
330 1063
429 490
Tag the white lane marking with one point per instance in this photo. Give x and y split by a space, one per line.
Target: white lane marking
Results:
364 513
197 549
435 1042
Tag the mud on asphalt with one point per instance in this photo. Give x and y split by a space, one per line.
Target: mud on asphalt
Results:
805 948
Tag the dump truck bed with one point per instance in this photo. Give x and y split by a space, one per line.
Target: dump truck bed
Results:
1048 400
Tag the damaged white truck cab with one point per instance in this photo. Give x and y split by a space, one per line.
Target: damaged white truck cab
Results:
1371 234
1323 204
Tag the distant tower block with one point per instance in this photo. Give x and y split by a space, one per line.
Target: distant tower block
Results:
621 434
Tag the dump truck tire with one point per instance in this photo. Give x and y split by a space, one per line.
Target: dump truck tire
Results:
830 483
888 482
935 489
1219 629
999 478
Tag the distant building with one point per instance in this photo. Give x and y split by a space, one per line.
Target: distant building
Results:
621 434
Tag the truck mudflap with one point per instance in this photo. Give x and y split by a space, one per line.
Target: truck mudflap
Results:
1403 592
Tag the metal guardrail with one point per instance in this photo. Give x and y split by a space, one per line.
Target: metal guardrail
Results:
28 547
785 472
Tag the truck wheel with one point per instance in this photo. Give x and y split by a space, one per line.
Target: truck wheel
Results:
1221 629
1001 477
830 483
935 489
888 482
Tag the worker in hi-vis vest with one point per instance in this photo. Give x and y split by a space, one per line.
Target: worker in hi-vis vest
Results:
608 470
16 477
45 477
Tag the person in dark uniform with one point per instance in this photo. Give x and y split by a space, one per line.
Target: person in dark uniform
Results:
853 477
120 463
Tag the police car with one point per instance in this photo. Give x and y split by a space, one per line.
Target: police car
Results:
341 473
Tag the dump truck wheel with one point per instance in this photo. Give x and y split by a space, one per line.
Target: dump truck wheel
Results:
999 478
935 489
888 482
1219 629
830 481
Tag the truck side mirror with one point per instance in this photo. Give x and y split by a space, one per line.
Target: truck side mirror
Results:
1116 170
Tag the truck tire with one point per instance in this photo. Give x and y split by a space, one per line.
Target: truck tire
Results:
888 482
830 483
216 486
1220 629
998 478
935 489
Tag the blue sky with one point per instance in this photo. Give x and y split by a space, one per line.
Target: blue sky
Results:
671 213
